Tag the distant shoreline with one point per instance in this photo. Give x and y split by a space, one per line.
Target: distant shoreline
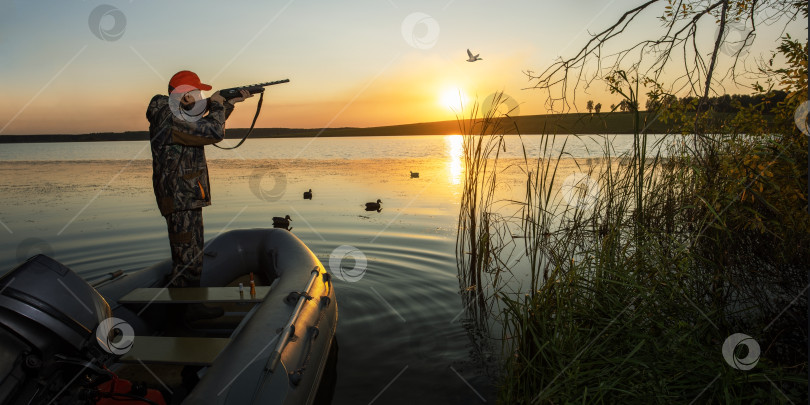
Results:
576 124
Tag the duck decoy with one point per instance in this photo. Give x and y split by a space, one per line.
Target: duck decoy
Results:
283 223
308 194
414 175
374 206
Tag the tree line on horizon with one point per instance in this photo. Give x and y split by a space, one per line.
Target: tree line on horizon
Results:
726 103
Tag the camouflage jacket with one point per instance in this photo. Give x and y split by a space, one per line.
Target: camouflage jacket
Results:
179 169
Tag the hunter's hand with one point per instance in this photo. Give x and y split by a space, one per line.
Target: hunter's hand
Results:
216 97
245 94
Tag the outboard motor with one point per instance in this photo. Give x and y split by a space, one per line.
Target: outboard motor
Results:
49 350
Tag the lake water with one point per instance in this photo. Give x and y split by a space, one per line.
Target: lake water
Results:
372 147
401 327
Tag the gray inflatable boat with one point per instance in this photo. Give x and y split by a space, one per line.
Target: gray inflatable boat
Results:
62 338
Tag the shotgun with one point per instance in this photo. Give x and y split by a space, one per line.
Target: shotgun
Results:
235 92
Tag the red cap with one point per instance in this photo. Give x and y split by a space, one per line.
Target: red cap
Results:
186 78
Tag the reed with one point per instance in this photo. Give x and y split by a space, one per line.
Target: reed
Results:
481 237
627 301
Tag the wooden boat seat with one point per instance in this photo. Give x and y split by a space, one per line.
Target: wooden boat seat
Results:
193 295
189 351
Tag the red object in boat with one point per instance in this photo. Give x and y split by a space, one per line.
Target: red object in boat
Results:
119 386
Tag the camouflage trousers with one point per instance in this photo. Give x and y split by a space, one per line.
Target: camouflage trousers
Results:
186 242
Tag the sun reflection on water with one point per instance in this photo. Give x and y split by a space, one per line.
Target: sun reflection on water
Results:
454 153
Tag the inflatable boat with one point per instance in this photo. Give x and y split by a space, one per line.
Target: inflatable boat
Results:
123 339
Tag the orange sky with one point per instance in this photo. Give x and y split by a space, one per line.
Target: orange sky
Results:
350 64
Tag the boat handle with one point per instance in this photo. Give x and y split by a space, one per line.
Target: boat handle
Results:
293 296
272 362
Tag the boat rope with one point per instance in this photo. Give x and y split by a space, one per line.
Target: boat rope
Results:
287 333
295 376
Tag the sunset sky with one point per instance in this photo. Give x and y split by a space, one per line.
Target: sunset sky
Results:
66 69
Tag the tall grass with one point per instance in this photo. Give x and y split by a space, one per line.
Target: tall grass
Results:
625 303
481 240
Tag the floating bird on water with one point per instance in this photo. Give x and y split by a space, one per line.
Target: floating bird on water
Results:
283 223
308 194
414 175
374 206
472 58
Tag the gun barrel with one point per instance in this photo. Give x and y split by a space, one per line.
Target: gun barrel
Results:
234 92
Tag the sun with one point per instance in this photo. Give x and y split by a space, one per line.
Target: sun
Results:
454 99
